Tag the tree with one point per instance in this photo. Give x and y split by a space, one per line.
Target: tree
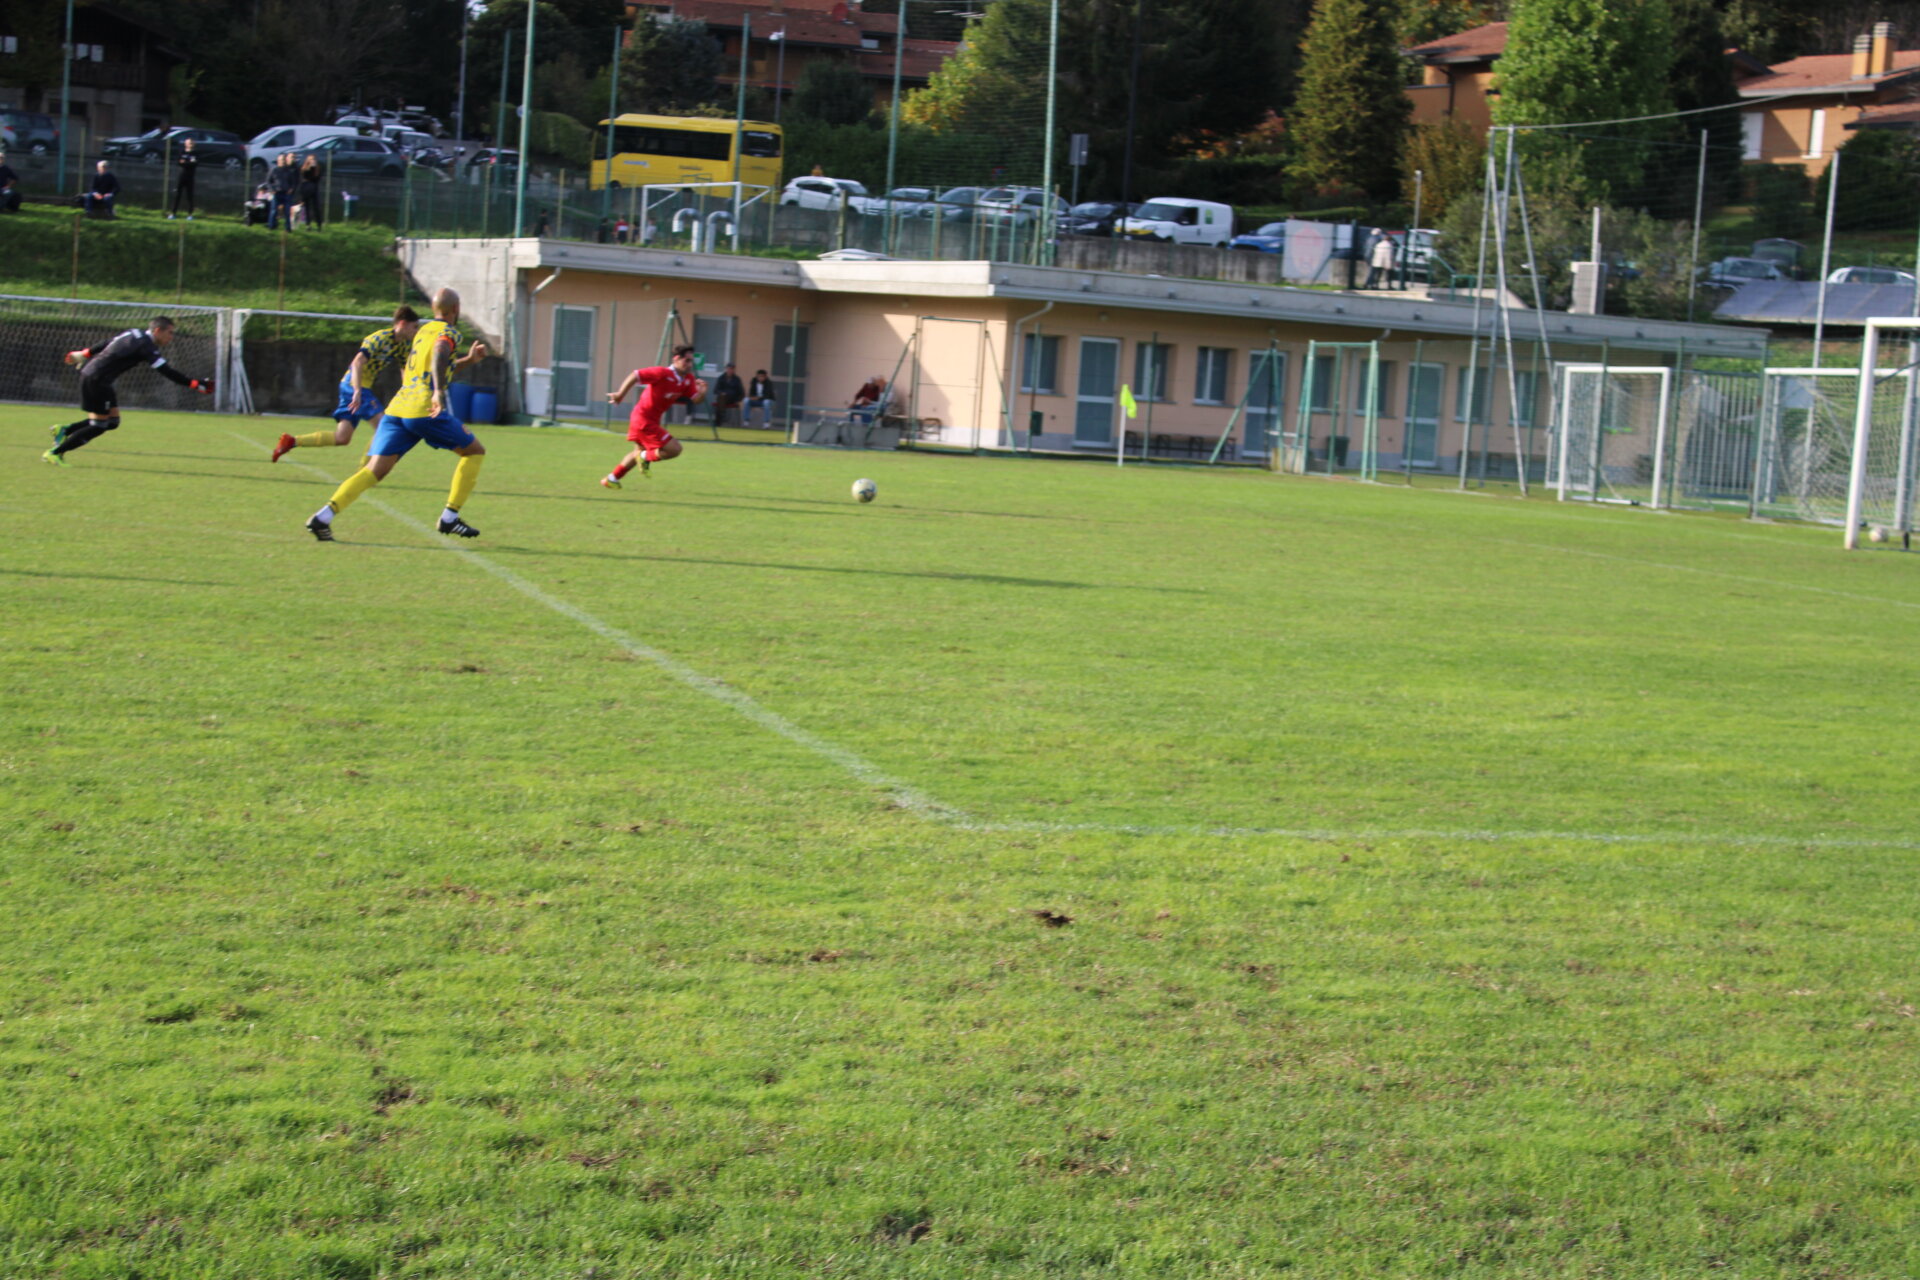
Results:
1569 61
1419 21
1451 159
671 66
833 92
1702 78
1879 172
1350 118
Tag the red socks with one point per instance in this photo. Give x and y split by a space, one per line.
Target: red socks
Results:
622 470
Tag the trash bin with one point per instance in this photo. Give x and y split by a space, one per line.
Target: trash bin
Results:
460 400
1339 446
538 399
486 405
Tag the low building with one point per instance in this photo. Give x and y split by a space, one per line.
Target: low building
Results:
996 356
119 80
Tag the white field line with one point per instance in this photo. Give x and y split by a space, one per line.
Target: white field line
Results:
921 805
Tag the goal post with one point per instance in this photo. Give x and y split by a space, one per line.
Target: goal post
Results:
1880 474
1611 424
36 332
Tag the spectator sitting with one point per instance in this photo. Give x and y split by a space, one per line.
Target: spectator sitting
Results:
105 190
9 187
760 397
258 211
728 391
869 399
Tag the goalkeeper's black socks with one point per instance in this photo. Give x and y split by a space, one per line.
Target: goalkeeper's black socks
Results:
80 433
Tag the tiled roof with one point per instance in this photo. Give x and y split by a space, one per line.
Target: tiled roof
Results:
1893 113
1825 71
919 59
1475 45
808 25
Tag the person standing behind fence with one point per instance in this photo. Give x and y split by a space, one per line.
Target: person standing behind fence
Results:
183 189
309 192
1380 263
9 187
281 182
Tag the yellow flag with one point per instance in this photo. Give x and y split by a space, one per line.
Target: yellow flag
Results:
1127 402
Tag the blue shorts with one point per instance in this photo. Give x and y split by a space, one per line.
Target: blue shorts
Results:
397 435
345 409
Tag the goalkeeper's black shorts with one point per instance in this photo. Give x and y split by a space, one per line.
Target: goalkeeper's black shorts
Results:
98 397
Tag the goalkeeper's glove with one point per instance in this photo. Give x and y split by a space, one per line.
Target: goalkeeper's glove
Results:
79 357
203 385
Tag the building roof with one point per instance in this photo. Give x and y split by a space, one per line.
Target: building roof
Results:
919 59
1823 73
1477 44
1893 115
1797 302
803 26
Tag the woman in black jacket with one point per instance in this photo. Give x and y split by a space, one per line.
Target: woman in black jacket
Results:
309 191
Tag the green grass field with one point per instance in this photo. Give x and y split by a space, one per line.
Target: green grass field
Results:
1047 870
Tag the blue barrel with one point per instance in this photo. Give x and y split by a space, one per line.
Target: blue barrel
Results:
460 400
486 405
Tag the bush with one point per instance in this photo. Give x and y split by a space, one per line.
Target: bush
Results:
1780 202
1878 172
562 137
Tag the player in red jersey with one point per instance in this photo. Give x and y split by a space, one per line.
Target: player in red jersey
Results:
664 388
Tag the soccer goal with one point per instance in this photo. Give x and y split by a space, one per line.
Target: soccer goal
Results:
35 333
1804 449
1609 440
1880 473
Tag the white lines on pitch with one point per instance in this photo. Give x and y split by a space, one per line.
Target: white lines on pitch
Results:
921 805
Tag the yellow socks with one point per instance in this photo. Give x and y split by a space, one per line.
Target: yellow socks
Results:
315 440
354 485
466 474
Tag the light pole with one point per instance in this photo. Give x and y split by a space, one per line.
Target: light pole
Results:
780 73
893 113
526 123
740 104
460 100
613 114
66 106
1046 165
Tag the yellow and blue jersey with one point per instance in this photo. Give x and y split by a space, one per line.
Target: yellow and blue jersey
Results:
382 347
415 397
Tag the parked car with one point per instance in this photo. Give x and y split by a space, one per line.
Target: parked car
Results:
33 132
156 145
955 204
853 255
1178 220
270 143
488 157
1869 275
1018 205
825 193
1735 272
906 202
1419 256
363 157
1271 237
1095 217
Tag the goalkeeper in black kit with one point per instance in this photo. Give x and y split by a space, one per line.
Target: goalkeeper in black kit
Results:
100 367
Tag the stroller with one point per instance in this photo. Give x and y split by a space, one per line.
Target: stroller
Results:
258 211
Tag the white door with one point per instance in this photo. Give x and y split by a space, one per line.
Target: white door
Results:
1099 375
572 358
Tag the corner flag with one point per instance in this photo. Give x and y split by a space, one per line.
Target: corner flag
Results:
1127 402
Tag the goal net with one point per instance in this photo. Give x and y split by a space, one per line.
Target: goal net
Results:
1610 432
1804 458
35 333
1880 479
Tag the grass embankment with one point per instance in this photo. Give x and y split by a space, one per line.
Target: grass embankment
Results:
142 257
378 915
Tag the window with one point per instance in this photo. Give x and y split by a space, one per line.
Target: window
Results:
1527 389
1752 127
1383 405
1323 393
713 342
1040 367
9 44
1816 133
789 367
1150 361
1210 375
1266 391
681 144
758 142
1480 381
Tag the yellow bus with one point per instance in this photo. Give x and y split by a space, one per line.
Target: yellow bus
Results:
656 149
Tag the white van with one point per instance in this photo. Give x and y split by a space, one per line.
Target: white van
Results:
1180 221
288 137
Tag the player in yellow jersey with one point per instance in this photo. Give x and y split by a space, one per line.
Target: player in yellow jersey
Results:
357 401
419 412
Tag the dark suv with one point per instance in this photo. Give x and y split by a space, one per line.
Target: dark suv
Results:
155 145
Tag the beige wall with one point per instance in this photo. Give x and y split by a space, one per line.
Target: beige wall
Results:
961 359
1454 94
1787 132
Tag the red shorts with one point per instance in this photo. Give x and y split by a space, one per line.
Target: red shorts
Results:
648 435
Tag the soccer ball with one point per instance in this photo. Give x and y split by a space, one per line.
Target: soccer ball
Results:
1878 533
865 489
